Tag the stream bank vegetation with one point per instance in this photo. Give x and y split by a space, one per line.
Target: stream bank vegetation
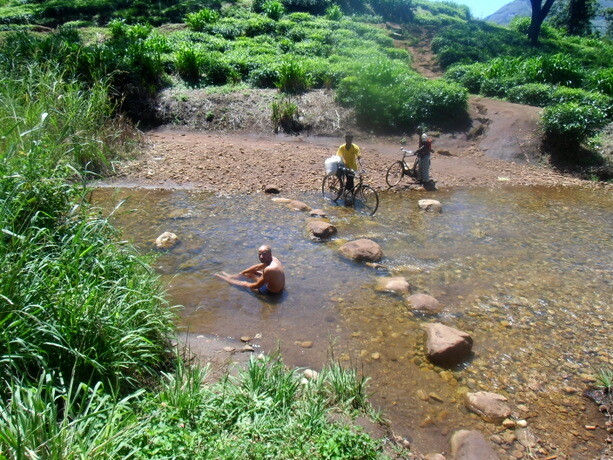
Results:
87 366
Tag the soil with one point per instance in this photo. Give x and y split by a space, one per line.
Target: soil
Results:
227 143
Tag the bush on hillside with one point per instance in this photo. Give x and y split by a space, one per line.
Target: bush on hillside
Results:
536 94
198 21
388 97
571 124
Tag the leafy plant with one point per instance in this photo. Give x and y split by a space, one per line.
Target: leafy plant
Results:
273 9
334 13
571 123
604 380
285 115
293 77
200 20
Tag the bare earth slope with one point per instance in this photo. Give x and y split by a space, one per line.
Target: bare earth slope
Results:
226 142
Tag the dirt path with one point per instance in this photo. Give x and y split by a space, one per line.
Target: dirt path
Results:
501 148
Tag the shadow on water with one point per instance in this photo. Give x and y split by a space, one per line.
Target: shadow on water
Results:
525 271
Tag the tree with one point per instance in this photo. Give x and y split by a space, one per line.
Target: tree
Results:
539 13
608 15
575 16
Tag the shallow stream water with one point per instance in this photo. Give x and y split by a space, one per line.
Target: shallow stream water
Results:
526 271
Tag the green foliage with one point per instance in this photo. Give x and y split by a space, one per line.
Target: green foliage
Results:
604 380
387 96
537 94
334 13
273 9
317 7
284 115
68 421
398 10
293 77
188 62
198 21
571 123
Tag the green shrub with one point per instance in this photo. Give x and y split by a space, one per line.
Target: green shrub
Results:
285 115
317 7
188 62
470 76
601 80
536 94
604 103
200 20
562 69
334 13
273 9
571 123
389 97
293 77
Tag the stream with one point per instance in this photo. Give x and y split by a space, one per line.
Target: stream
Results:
527 272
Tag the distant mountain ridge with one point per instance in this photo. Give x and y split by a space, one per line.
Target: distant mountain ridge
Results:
523 8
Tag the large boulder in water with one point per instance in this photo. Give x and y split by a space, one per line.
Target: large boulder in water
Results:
491 407
471 445
446 345
362 250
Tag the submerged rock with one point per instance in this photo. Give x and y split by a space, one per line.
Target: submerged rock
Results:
471 445
446 345
362 250
491 407
166 240
424 303
430 205
397 284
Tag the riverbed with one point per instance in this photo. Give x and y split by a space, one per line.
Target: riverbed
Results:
526 271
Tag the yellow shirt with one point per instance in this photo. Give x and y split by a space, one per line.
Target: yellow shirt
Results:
349 155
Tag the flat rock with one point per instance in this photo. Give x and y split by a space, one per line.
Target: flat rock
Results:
430 205
424 303
272 189
446 345
318 213
362 250
471 445
491 407
397 284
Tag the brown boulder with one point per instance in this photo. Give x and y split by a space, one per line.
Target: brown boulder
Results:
362 250
446 345
320 229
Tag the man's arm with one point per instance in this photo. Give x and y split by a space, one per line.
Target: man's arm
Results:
253 269
231 279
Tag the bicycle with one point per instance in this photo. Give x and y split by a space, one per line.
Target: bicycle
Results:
363 197
400 168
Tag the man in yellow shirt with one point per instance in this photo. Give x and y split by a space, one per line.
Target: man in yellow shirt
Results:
350 153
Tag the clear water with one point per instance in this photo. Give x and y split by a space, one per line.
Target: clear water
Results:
526 271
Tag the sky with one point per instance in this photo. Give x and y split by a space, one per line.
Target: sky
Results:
483 8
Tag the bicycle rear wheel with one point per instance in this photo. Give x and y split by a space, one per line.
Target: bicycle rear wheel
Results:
332 187
365 200
394 173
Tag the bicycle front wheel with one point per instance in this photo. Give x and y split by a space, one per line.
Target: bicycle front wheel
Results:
332 187
366 200
394 173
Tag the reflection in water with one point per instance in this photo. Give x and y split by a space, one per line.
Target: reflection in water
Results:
526 271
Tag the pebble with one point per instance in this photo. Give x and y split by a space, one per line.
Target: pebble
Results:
376 355
246 338
229 349
248 348
522 423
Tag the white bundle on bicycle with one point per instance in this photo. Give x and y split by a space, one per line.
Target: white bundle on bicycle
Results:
332 164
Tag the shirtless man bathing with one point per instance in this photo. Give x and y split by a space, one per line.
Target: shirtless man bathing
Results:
268 277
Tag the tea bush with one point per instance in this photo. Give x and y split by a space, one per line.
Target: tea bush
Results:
570 123
536 94
273 9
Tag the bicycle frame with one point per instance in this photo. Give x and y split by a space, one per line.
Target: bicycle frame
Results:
406 169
